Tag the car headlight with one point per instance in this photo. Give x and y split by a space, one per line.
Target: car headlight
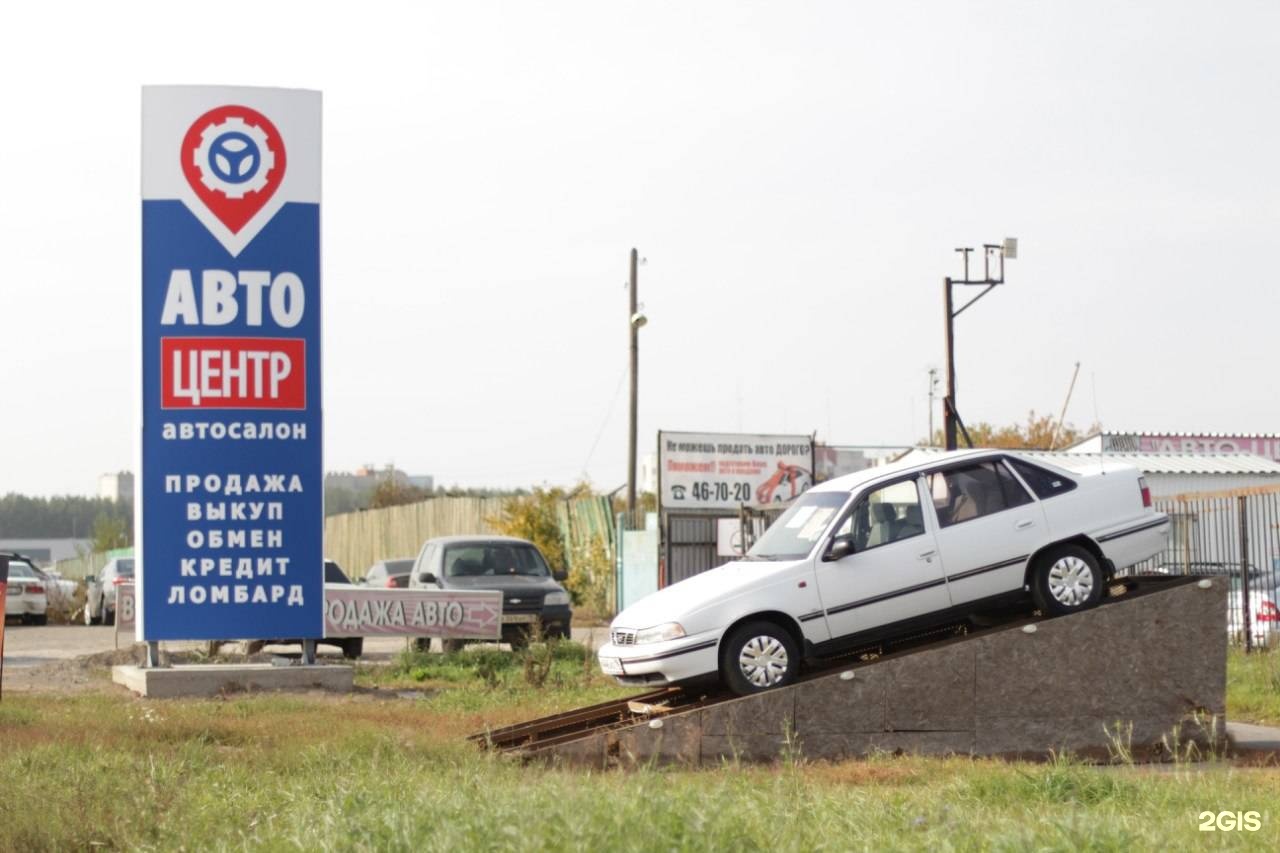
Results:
555 598
660 633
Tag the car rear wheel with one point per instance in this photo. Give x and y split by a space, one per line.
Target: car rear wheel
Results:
108 616
759 656
1067 580
89 618
450 647
353 648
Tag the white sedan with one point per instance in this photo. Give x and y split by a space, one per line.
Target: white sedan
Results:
26 597
891 550
1264 616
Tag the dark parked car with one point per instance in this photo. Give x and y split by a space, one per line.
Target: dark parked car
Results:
392 574
531 592
352 647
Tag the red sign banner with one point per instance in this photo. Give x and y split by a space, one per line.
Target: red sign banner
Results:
233 373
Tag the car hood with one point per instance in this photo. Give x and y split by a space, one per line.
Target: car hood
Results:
505 583
675 602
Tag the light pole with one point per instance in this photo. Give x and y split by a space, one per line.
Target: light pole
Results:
635 319
1008 249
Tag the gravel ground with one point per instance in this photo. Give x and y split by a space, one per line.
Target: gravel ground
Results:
60 658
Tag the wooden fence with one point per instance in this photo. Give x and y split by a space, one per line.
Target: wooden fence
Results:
357 540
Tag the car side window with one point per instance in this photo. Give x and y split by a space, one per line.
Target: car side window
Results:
1044 483
888 514
973 491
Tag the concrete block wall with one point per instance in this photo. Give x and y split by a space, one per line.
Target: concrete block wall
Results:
1130 673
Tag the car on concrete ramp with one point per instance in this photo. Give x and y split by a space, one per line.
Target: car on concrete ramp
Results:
887 552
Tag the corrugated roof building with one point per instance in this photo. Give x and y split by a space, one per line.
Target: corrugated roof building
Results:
1170 473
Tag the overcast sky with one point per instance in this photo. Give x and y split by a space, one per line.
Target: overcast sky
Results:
796 175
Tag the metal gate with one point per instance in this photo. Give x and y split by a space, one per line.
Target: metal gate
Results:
691 540
1235 535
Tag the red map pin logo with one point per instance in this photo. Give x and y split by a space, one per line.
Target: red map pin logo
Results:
234 160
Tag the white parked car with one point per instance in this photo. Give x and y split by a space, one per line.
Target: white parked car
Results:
26 596
1264 616
887 551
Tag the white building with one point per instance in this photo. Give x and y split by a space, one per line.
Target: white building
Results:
117 486
1261 444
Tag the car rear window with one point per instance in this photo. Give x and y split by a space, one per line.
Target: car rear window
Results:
1044 483
124 567
333 573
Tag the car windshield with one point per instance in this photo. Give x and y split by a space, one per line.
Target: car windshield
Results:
793 534
479 560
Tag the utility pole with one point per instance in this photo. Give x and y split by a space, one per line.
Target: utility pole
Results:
634 321
1001 251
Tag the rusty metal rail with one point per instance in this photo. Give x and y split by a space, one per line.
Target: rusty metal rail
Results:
582 722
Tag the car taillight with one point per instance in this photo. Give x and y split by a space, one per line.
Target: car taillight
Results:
1146 492
35 589
119 579
391 583
1267 612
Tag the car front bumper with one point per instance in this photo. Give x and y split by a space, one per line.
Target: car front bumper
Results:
655 663
553 622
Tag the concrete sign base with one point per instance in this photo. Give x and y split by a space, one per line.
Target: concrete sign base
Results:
1140 676
215 679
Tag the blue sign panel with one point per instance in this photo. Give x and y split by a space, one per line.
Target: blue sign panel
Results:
231 490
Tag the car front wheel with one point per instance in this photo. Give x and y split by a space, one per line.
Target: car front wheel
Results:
759 656
1067 580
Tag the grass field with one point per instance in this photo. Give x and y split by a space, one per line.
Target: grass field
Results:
377 771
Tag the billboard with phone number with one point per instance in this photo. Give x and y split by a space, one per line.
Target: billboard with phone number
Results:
721 471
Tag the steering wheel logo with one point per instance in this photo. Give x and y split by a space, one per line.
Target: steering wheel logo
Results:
234 157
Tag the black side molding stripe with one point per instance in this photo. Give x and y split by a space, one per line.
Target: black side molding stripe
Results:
991 568
885 596
699 647
1141 527
810 616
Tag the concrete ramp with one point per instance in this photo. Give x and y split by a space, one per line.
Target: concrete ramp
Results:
1141 671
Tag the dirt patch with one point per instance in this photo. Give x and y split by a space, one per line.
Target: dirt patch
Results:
88 673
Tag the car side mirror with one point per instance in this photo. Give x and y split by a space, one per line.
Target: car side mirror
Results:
560 576
841 547
426 577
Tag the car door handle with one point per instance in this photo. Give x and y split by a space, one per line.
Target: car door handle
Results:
927 556
1024 524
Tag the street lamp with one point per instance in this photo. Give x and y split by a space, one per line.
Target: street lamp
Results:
635 320
1000 251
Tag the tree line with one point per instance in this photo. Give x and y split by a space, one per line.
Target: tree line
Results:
107 522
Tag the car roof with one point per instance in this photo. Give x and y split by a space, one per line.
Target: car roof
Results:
478 538
850 482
